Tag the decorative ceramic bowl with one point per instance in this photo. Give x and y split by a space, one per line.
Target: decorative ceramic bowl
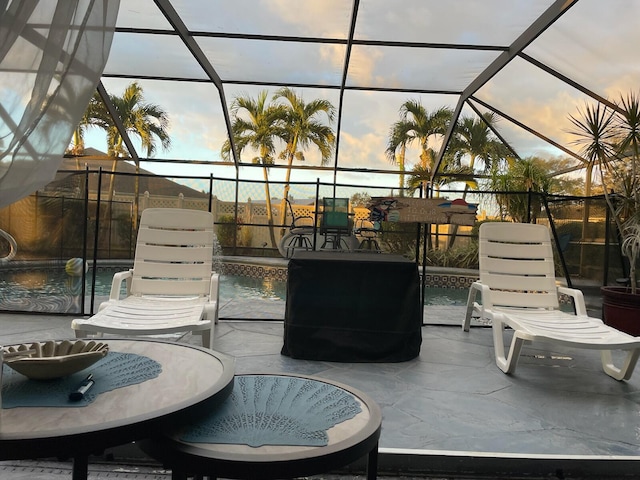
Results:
51 359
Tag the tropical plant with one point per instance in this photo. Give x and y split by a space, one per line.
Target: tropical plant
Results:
302 128
513 184
227 229
149 122
563 183
419 175
397 150
474 138
92 116
360 199
400 238
609 140
146 121
257 125
450 171
461 256
416 126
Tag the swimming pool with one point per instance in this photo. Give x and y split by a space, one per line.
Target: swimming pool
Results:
53 290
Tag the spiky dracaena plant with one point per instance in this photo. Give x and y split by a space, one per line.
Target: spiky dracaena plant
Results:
610 139
631 248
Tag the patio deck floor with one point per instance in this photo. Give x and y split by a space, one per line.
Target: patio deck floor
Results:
448 413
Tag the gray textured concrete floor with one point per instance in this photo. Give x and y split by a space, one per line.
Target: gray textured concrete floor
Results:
448 413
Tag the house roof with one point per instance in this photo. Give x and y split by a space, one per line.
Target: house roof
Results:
93 160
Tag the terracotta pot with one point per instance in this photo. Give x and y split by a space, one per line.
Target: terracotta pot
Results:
621 309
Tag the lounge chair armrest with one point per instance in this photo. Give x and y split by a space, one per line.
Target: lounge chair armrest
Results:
214 289
116 284
211 307
473 306
211 311
485 291
578 299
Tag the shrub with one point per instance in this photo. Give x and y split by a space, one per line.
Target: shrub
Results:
225 230
463 256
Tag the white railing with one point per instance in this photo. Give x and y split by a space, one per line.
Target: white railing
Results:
252 214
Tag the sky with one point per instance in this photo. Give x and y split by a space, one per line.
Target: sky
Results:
594 43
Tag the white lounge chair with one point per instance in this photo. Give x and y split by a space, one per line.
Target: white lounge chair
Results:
518 290
171 287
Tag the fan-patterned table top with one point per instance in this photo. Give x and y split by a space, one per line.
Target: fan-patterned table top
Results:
275 426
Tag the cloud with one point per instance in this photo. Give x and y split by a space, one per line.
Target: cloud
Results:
581 45
363 151
327 18
362 67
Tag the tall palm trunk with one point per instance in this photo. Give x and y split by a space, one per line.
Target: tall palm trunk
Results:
107 215
285 195
401 156
453 229
106 212
291 153
136 196
267 193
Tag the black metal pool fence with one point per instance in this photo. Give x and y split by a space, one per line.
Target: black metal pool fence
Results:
78 218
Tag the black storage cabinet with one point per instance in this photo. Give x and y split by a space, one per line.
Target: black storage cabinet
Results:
352 307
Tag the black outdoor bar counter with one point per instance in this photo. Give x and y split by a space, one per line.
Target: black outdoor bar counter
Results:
352 307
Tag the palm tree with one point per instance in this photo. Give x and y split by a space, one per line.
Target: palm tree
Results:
302 128
77 140
416 125
450 171
147 121
474 138
528 174
397 151
263 125
93 116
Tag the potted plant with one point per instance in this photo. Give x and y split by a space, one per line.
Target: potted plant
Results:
609 137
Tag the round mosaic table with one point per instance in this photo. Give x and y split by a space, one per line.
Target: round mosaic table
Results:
348 441
191 377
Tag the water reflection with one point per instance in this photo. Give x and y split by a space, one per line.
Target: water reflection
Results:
30 279
268 287
40 291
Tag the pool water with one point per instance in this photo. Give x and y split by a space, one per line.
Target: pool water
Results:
55 291
445 296
234 286
30 283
